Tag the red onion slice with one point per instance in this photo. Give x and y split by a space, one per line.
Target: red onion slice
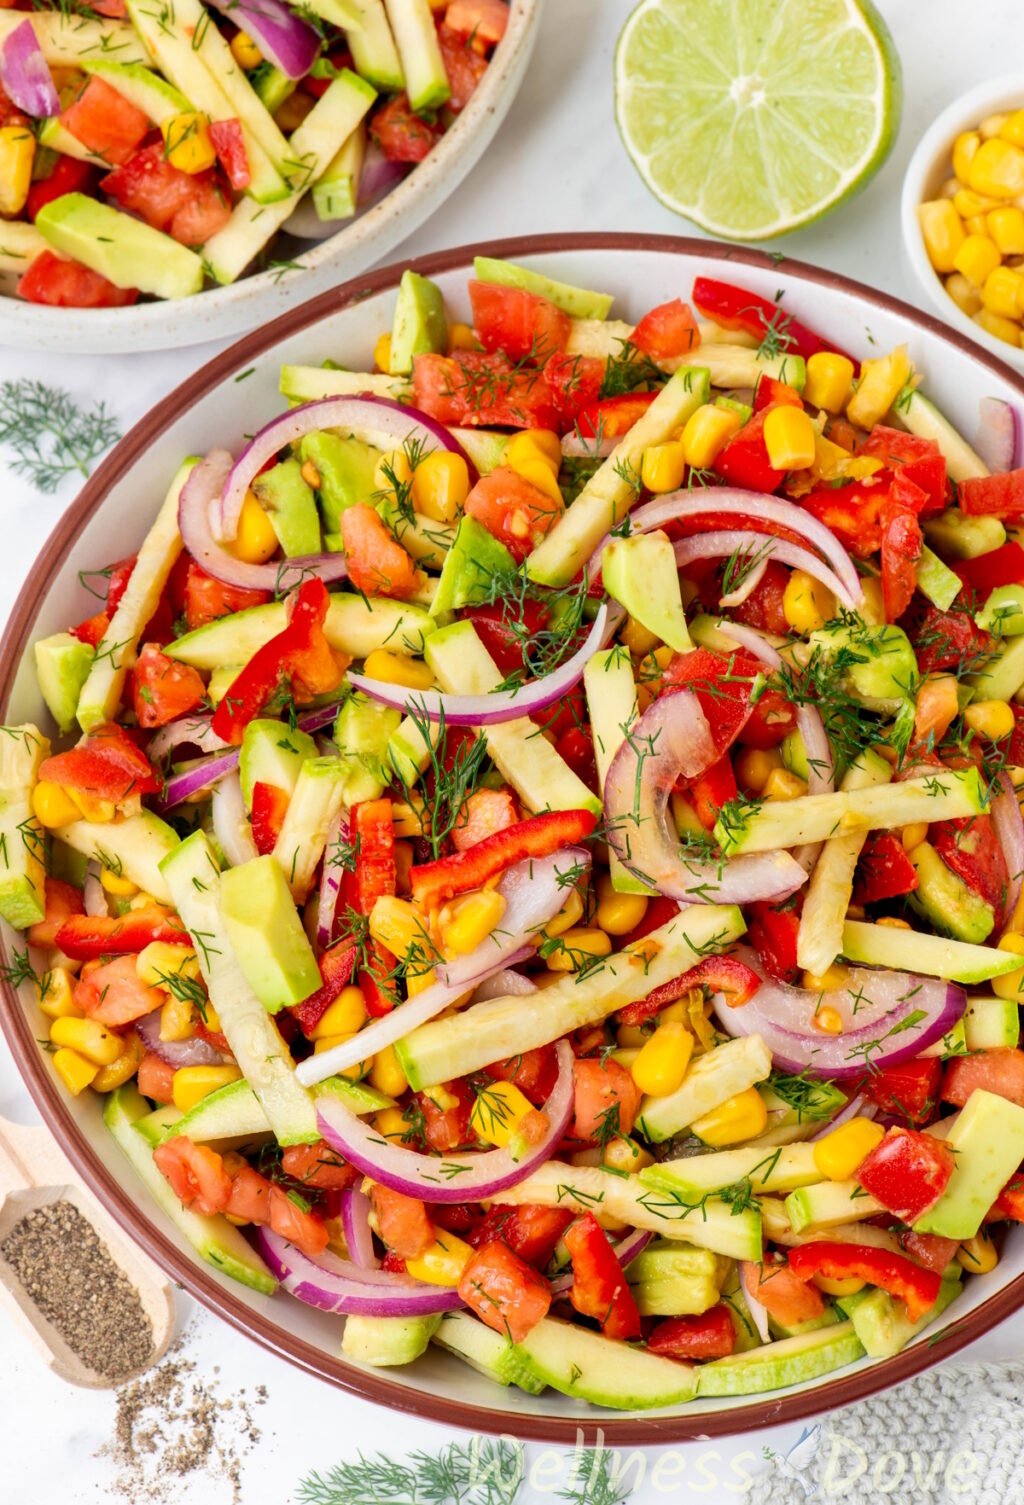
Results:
25 73
672 740
330 881
355 1219
756 1307
534 891
379 174
858 1106
289 43
230 822
333 1284
176 1053
94 895
187 731
763 546
752 577
201 776
502 705
576 446
1009 828
447 1178
625 1251
349 413
999 434
505 984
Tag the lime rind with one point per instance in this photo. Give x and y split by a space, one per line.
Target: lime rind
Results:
753 118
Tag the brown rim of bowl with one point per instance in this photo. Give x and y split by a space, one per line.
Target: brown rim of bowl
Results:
616 1430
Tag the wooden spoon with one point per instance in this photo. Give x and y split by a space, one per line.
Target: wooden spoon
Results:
33 1173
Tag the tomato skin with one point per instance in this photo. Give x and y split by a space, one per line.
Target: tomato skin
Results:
480 21
773 934
515 511
163 689
611 417
155 1079
196 1174
722 685
575 385
92 630
300 1227
902 542
1009 1204
53 280
402 1221
710 1335
113 995
787 1299
929 1249
206 212
884 870
68 176
269 808
599 1287
486 812
918 460
250 1196
534 1072
187 206
104 121
463 65
229 144
471 388
943 639
402 135
519 324
444 1128
971 849
606 1098
998 1071
207 599
504 1291
318 1165
907 1172
61 901
763 607
529 1231
744 461
667 331
909 1090
377 563
715 788
507 632
993 496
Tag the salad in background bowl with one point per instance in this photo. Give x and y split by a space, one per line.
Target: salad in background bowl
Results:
532 839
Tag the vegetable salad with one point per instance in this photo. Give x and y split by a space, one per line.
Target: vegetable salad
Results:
152 152
529 849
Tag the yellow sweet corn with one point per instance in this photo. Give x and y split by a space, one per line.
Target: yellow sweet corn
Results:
992 125
977 1255
187 142
440 486
391 1123
344 1016
999 326
832 1285
246 54
1002 292
1011 984
990 718
789 438
17 154
754 766
462 337
977 225
310 474
443 1263
837 976
663 466
964 149
782 784
638 638
893 921
828 1020
661 1065
913 835
52 806
410 818
192 1083
400 927
93 809
123 1069
997 170
55 993
828 380
396 669
577 948
707 432
116 884
177 1019
881 382
569 915
467 922
1012 128
386 1073
382 354
160 961
1006 227
963 293
535 444
806 603
618 914
74 1070
738 1118
969 204
255 542
625 1155
538 472
498 1112
942 230
839 1154
91 1039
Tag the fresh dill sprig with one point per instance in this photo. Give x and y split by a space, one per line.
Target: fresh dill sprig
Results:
597 1479
630 371
481 1472
51 434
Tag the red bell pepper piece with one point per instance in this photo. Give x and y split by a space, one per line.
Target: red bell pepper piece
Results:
106 764
853 511
504 1291
435 883
744 461
93 630
909 1090
771 393
884 870
736 308
667 331
708 1335
719 974
765 610
69 175
576 747
773 934
529 1231
599 1286
299 655
373 837
336 967
506 633
1002 566
918 1289
269 808
229 144
613 416
907 1172
713 789
86 937
917 460
1000 495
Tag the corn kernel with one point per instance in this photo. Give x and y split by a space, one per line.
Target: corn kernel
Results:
968 204
443 1263
943 233
661 1065
90 808
498 1111
468 922
977 225
997 170
1012 128
976 258
535 444
1006 227
55 993
391 470
188 145
913 835
310 474
255 540
992 125
839 1154
246 54
538 472
177 1019
410 818
1002 292
829 981
114 883
963 293
462 337
806 603
440 486
382 354
51 806
781 784
569 915
789 438
998 326
707 432
396 669
192 1083
832 1285
755 765
17 155
386 1073
977 1255
738 1118
74 1070
618 914
990 718
950 188
828 1020
828 381
160 962
91 1039
1011 984
638 638
964 149
391 1123
400 927
344 1016
576 948
893 921
123 1069
663 466
625 1155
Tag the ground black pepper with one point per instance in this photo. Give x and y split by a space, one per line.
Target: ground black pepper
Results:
68 1272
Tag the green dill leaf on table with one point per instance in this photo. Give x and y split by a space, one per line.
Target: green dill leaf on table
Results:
480 1472
51 434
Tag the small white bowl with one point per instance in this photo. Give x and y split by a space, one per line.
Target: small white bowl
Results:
255 300
928 169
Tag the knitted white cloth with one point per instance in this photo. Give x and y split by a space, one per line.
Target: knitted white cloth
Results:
950 1437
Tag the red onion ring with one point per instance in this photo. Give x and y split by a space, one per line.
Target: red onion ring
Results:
330 881
194 780
752 578
449 1178
505 984
94 895
999 433
625 1251
230 822
192 1052
333 1284
25 73
1008 824
756 1307
289 43
187 731
720 545
355 1219
379 174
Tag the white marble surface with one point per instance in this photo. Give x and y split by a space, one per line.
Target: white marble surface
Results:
558 165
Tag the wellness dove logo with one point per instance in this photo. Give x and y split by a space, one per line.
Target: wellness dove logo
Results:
794 1463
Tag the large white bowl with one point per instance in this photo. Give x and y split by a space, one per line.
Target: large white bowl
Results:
252 301
111 516
927 170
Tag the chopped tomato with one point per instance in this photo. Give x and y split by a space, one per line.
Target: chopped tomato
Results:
318 1165
722 685
61 901
105 764
521 325
471 388
919 460
68 176
207 212
250 1197
599 1287
196 1174
907 1172
708 1335
606 1100
1002 566
486 812
484 21
504 1291
998 1071
207 599
515 511
402 1221
377 563
508 630
715 788
446 1116
113 994
612 417
187 206
53 280
929 1249
769 393
853 511
936 707
105 121
163 689
789 1300
92 630
155 1078
295 1223
88 937
884 871
1000 495
529 1231
971 849
402 135
1009 1204
463 65
744 461
373 876
773 934
667 331
229 144
763 609
574 382
269 808
902 542
909 1090
534 1072
944 639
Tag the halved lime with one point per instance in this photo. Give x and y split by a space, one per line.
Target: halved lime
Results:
752 117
